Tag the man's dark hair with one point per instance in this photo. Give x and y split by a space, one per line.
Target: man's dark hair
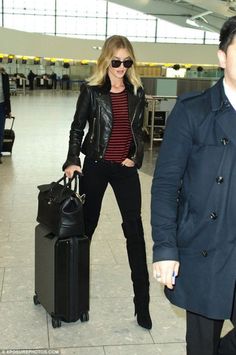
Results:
227 33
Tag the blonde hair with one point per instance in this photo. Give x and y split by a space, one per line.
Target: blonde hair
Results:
110 46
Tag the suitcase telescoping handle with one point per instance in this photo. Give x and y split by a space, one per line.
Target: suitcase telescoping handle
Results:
12 122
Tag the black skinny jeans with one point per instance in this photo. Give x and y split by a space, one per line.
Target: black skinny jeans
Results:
125 184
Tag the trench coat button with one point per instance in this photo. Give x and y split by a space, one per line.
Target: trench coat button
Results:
219 179
224 141
213 215
204 253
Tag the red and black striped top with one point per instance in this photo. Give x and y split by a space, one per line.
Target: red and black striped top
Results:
121 135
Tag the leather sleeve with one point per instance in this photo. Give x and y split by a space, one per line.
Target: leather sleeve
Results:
82 114
136 151
171 164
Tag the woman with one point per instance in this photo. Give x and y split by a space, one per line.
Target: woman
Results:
5 105
112 102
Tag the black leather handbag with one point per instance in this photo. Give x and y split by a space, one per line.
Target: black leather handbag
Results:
60 207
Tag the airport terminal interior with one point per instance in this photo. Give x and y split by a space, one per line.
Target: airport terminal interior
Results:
43 117
42 122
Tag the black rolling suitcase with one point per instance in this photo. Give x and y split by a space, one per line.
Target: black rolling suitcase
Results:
9 137
62 276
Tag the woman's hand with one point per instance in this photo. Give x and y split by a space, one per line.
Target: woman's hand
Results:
69 171
166 271
128 162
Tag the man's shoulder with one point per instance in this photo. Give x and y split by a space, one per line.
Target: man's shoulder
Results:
196 101
190 96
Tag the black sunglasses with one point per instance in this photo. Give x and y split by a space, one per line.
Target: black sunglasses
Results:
116 63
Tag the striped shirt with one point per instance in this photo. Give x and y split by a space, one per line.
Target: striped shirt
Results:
121 134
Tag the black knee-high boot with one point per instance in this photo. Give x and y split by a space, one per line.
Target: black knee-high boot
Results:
133 231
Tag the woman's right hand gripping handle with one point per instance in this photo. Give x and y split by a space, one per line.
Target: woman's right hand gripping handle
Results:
70 170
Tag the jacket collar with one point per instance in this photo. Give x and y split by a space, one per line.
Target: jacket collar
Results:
225 113
219 100
106 87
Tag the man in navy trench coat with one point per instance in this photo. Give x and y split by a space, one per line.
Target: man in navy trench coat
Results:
194 208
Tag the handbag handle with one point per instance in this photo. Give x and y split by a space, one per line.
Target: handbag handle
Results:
64 190
68 183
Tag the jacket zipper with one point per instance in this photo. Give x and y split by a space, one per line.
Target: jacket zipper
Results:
92 135
131 126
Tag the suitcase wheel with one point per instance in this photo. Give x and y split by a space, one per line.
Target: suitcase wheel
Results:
84 317
36 300
56 323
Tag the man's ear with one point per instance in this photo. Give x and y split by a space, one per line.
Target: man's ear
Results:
222 58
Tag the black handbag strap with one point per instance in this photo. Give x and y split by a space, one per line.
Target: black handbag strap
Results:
58 192
68 181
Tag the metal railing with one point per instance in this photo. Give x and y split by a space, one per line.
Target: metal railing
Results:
154 103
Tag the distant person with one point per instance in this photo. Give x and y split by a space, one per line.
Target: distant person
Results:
59 81
5 104
112 103
194 208
45 81
31 77
65 82
54 80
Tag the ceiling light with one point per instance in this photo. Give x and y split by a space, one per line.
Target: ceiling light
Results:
201 16
201 22
192 22
232 8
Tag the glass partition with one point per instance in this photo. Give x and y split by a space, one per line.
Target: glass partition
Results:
95 19
30 15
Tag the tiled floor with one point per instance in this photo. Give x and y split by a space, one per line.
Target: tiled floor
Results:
42 124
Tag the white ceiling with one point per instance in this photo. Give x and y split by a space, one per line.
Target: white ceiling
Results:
208 14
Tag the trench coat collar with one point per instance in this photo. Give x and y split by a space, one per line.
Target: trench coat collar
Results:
219 100
106 87
225 113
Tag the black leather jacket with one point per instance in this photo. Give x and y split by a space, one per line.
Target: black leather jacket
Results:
94 107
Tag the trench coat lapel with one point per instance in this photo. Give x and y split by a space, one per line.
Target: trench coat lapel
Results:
225 113
227 121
